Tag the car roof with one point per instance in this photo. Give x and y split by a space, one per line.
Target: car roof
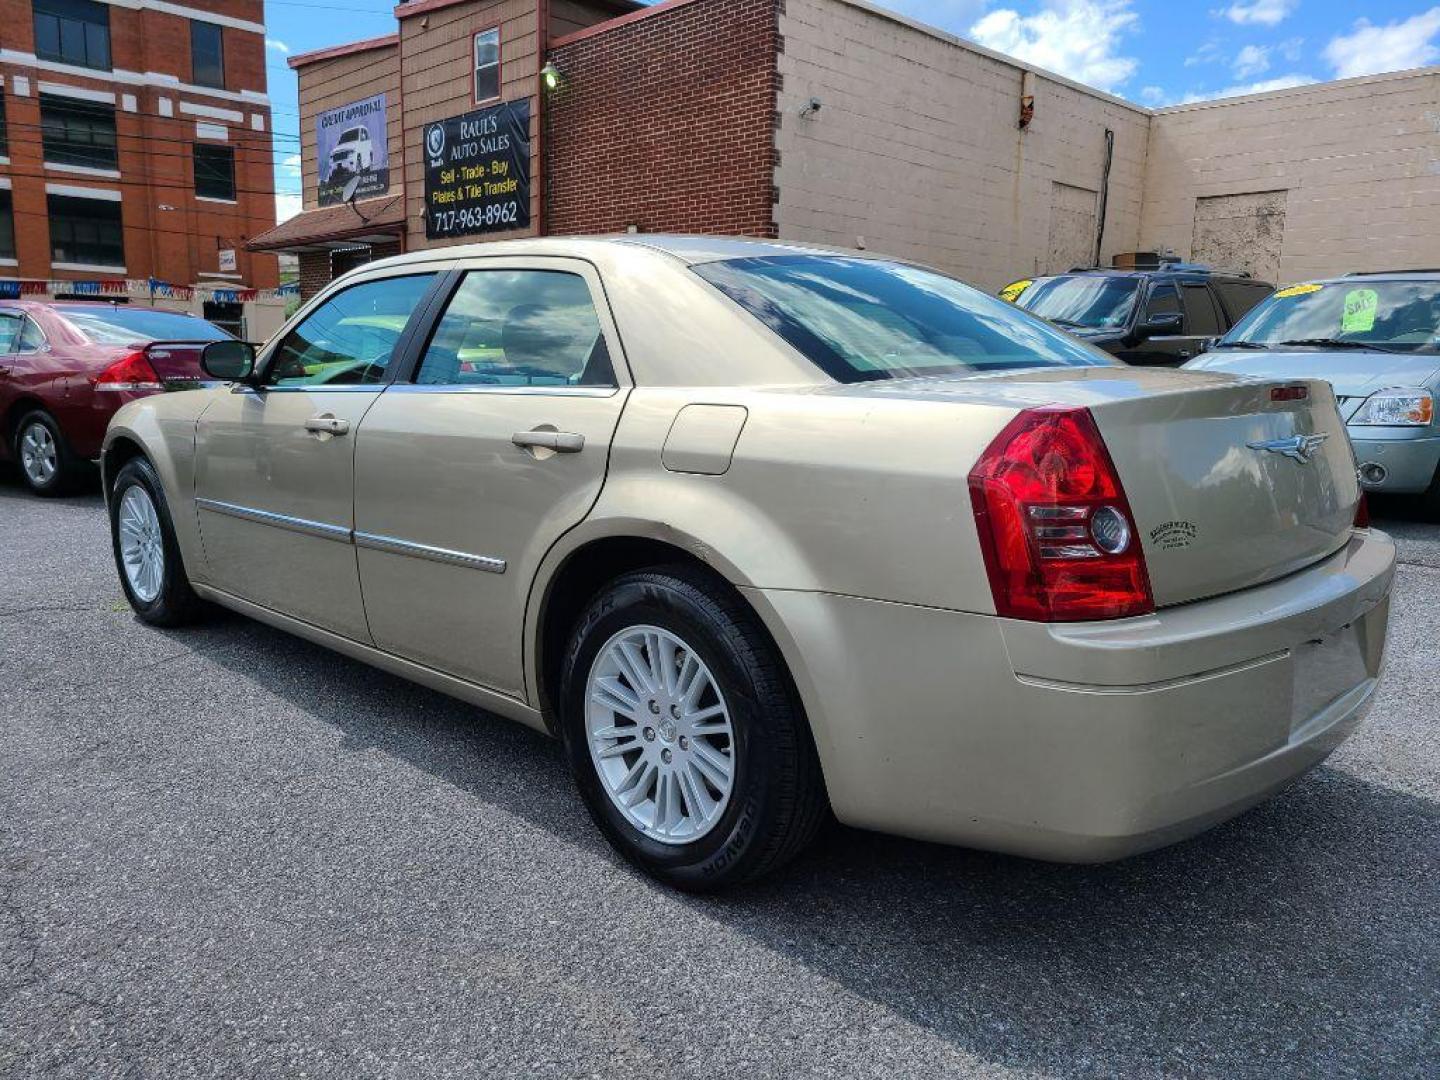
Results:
686 249
1381 275
1182 272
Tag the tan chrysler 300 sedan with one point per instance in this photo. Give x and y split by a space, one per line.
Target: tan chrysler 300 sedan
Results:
760 530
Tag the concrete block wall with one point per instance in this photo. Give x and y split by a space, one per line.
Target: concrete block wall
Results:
666 122
916 149
1359 161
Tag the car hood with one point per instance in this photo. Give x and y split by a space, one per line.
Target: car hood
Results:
1352 374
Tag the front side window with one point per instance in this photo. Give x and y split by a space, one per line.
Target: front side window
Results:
1379 316
73 32
215 171
349 339
1094 301
7 225
861 320
86 232
207 54
487 64
518 328
9 331
75 132
1164 300
1201 318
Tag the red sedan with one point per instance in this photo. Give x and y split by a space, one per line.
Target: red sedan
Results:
65 367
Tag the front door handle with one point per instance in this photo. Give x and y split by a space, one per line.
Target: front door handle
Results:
562 442
329 425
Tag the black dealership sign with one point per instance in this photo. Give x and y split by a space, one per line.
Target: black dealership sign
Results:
477 172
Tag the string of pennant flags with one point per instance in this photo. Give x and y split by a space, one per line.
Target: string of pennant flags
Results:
13 289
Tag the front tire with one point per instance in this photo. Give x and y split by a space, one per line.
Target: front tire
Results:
45 460
147 554
684 733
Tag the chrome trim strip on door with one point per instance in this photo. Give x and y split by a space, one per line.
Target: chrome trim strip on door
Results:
485 388
424 551
339 533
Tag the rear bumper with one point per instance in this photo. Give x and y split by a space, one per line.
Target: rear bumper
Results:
1410 464
1085 742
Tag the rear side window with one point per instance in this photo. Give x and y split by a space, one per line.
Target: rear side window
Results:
349 339
518 328
1201 317
861 320
1238 297
31 337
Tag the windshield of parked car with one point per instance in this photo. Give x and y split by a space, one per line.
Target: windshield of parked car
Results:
863 319
1357 315
126 326
1089 301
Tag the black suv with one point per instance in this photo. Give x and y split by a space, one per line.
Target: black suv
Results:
1153 316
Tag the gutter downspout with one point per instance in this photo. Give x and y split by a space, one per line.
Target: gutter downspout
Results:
1104 193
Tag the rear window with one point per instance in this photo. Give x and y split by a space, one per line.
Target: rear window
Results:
126 326
860 320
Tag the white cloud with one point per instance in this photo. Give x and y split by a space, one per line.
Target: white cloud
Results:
1152 95
1208 53
1290 48
1077 38
286 207
276 44
1281 82
290 166
1393 47
1251 60
1259 12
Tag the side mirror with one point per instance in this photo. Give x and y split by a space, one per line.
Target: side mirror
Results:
1209 343
230 361
1158 325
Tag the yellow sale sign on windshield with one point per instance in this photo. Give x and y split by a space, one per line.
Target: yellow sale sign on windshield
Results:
1012 291
1298 290
1359 314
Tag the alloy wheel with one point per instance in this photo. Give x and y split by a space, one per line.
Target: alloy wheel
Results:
660 734
142 545
39 456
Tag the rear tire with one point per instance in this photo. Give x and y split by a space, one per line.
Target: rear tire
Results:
735 770
1428 503
46 463
147 555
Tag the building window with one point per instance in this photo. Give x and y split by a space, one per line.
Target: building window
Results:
487 64
73 32
215 172
7 225
207 54
85 232
75 132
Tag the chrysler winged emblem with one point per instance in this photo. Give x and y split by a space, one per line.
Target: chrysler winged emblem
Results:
1299 448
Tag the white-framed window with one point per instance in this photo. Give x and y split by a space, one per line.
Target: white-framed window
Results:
487 64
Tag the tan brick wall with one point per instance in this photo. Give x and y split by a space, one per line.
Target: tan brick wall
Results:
155 163
916 146
436 82
1359 160
343 80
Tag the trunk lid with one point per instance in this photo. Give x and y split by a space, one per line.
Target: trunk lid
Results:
1215 513
176 362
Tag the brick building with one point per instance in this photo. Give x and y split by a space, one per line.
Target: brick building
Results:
135 143
835 121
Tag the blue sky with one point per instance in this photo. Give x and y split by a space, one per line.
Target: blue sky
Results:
1152 51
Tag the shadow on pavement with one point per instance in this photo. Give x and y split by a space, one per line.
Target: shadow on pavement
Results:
1288 942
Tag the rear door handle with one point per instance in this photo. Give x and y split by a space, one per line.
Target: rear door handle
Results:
330 425
562 442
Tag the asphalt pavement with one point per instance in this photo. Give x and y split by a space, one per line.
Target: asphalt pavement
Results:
224 851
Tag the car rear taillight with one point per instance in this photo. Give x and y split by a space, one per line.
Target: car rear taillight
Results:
1058 537
131 372
1362 512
